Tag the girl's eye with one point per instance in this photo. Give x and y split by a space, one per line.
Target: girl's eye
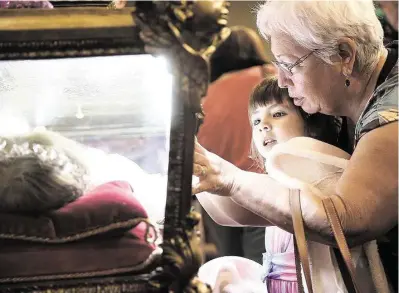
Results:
256 122
278 114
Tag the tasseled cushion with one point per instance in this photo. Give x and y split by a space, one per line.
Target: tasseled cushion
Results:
103 232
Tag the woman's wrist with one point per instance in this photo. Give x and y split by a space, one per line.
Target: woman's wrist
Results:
241 182
230 175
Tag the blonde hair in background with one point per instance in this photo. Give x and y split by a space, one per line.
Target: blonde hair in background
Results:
316 24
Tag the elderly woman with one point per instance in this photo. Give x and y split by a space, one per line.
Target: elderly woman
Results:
330 56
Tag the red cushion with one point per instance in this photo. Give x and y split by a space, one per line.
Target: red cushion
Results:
98 256
109 207
101 233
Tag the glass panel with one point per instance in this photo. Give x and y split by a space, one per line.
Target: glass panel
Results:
118 106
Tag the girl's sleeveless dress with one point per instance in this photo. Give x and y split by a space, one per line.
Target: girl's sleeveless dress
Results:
279 262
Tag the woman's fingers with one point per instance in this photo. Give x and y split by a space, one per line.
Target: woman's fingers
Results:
196 189
205 170
206 185
199 170
200 187
199 148
200 159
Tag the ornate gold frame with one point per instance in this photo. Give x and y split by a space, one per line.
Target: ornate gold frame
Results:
149 27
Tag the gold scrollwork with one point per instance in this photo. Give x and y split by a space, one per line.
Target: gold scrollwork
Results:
171 36
182 258
167 28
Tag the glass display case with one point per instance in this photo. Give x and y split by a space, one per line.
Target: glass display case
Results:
98 111
110 104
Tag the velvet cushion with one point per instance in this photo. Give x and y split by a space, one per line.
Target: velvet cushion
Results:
103 232
109 207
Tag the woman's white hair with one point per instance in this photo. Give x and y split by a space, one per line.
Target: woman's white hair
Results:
320 24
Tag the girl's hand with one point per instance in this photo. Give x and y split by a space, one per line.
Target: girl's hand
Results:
215 174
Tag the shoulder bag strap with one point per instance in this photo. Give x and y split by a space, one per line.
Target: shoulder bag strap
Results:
300 244
343 247
343 255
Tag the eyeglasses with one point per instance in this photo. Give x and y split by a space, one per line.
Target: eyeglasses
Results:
287 67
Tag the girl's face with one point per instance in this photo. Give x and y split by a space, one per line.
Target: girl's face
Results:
275 123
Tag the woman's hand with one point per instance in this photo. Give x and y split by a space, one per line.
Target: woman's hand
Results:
215 174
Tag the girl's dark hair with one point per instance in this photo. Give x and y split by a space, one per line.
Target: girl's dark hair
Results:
242 49
319 126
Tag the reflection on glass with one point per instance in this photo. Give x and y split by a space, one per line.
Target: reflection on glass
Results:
118 107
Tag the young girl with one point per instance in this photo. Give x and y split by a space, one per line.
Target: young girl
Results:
274 119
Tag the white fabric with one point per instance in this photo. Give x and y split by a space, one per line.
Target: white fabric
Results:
102 167
149 189
232 274
307 163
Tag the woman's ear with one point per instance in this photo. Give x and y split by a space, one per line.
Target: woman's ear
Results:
347 54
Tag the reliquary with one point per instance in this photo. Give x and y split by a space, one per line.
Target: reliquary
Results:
99 109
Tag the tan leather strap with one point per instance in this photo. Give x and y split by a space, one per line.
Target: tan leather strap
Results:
344 271
298 268
301 249
300 240
340 239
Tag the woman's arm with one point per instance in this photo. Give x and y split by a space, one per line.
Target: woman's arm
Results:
224 211
366 195
368 190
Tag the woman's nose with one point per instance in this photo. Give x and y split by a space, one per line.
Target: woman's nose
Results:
282 79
